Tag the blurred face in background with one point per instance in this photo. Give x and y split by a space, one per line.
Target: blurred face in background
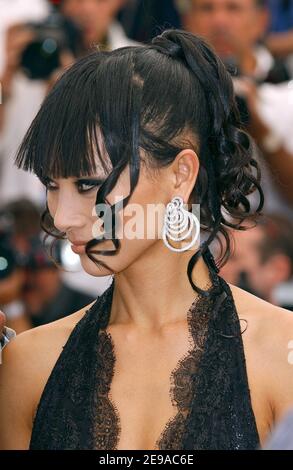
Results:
261 276
92 16
231 26
245 256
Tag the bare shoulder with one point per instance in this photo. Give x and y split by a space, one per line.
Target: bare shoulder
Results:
268 343
44 341
29 359
265 320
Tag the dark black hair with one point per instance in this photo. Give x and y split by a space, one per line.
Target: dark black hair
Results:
159 98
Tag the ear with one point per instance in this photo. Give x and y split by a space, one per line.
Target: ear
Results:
185 170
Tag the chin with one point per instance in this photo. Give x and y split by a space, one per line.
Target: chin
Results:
91 268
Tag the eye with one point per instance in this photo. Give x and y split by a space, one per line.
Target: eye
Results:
49 185
87 185
83 187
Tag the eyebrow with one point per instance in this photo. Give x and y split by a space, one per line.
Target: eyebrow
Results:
90 179
84 179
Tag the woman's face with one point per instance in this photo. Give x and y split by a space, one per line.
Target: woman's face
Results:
71 203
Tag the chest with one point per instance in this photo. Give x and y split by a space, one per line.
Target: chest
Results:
136 391
145 392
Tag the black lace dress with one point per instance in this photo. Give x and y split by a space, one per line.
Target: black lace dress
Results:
209 386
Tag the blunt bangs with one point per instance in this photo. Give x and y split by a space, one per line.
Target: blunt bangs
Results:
85 122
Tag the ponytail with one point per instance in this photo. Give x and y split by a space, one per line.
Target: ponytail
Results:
225 151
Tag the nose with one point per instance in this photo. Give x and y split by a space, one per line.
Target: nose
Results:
220 20
68 214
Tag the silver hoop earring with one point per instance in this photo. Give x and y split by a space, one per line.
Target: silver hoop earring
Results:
179 225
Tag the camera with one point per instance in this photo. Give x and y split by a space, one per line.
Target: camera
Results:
10 260
42 56
36 258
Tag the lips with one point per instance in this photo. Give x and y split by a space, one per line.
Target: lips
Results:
78 246
78 243
78 249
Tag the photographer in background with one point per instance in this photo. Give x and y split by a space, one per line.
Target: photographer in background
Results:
262 260
97 21
235 28
45 296
36 51
20 97
94 24
19 225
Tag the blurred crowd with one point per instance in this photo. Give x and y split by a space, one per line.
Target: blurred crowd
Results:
39 39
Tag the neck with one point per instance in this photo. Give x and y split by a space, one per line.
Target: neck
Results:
155 290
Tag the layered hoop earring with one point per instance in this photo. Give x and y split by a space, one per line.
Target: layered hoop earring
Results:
179 225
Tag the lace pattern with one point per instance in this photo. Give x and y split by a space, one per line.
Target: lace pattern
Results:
208 386
108 427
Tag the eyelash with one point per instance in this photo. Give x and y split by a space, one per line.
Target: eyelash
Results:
92 183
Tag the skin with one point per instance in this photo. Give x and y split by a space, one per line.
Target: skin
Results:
231 26
93 16
281 43
264 276
149 331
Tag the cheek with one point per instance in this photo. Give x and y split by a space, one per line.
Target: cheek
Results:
130 251
141 222
137 226
242 26
142 217
201 23
136 232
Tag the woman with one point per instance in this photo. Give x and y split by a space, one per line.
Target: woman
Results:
170 356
